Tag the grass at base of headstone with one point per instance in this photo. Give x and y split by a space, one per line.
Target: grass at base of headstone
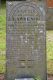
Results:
2 66
37 78
50 67
2 61
50 52
2 38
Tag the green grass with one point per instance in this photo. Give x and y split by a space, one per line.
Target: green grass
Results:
3 44
50 52
2 28
2 38
49 45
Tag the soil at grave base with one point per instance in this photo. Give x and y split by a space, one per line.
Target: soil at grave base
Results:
50 77
1 76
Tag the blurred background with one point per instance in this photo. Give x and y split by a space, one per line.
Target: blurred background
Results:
49 37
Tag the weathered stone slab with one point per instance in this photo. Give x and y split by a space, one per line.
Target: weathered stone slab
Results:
25 40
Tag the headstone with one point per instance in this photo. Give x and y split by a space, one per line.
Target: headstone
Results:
26 54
